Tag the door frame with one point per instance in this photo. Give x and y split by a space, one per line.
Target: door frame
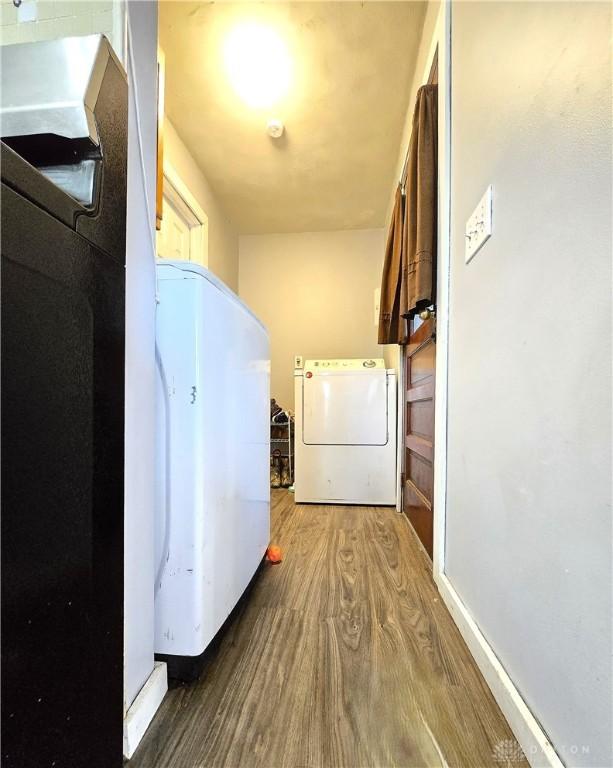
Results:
526 728
175 188
440 46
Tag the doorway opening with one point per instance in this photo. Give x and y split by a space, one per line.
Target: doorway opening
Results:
184 230
417 390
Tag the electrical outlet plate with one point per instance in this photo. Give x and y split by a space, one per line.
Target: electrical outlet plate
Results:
479 225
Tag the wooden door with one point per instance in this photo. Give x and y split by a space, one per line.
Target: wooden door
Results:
418 475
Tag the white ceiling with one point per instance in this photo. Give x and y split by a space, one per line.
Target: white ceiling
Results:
334 167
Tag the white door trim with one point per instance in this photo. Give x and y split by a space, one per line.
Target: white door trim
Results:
441 45
400 436
143 708
199 234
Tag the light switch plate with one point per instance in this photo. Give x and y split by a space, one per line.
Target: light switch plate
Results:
479 225
298 362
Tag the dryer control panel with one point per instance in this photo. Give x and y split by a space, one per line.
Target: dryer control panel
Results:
353 364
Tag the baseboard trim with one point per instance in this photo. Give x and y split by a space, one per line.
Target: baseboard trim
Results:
527 730
144 707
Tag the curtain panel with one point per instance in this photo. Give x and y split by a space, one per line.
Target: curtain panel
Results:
391 323
409 270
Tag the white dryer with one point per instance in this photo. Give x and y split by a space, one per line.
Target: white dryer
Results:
345 439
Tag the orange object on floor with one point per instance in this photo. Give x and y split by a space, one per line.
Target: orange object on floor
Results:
274 555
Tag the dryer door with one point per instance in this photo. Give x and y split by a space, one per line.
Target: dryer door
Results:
345 408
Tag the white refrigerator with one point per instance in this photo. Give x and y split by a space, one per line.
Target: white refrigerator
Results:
213 489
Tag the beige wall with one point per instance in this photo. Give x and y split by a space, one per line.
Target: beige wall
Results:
422 66
315 293
528 544
223 237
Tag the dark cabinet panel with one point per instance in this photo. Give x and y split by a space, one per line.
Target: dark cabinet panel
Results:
62 494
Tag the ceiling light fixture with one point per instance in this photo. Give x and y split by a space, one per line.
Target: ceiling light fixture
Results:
258 64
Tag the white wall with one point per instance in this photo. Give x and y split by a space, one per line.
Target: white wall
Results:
528 543
420 77
140 358
223 237
50 19
315 293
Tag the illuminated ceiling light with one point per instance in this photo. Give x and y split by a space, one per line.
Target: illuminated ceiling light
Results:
258 65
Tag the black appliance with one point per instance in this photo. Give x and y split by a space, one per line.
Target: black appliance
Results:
63 167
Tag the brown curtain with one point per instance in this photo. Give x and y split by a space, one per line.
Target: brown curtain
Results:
391 324
409 271
421 203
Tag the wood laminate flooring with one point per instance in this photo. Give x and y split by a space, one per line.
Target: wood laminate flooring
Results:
342 656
